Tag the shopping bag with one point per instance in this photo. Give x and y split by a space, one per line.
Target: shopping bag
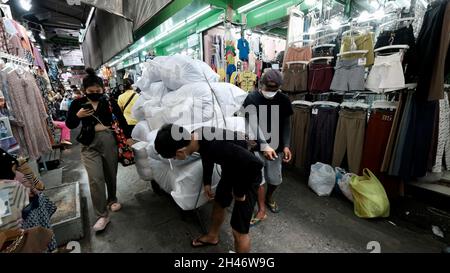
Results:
344 185
322 179
370 198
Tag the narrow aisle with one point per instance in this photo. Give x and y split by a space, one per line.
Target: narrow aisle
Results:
307 223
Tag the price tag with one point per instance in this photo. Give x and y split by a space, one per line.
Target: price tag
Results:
315 111
362 61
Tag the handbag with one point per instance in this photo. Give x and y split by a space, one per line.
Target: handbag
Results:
126 154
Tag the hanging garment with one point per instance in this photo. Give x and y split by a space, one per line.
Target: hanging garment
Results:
321 134
14 198
38 214
244 49
349 138
299 139
377 137
386 74
295 78
246 80
297 54
401 36
399 145
42 85
393 135
26 95
319 78
3 38
443 148
348 76
414 162
432 48
362 42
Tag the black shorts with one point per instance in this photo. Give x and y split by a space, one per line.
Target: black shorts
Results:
242 211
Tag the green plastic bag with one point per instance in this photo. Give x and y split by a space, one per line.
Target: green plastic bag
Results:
370 198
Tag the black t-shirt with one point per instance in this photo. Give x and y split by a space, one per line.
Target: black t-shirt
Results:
284 109
228 149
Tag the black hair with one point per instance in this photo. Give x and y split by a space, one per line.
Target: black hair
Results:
92 79
73 87
128 83
7 161
166 145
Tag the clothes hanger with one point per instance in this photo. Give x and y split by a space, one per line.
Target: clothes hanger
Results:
328 59
327 103
302 102
9 235
297 62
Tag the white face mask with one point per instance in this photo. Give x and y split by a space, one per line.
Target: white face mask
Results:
269 95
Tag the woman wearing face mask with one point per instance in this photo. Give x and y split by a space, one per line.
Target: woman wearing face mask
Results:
99 152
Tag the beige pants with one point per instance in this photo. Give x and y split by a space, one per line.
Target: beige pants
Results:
100 159
349 138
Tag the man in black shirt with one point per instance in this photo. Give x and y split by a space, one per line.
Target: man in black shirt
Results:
269 113
240 175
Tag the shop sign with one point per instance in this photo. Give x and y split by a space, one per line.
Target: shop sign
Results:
72 57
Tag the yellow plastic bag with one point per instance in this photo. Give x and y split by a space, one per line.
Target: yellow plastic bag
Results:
370 198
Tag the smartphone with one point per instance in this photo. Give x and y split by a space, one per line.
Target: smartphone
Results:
87 106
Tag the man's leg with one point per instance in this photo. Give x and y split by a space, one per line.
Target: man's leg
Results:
212 237
241 242
222 200
261 214
274 178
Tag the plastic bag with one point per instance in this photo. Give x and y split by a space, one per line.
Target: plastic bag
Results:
369 196
322 179
344 185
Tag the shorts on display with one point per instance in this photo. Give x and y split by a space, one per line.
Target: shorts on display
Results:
319 78
386 74
362 42
295 78
348 76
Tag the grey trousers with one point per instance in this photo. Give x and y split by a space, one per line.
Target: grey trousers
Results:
100 159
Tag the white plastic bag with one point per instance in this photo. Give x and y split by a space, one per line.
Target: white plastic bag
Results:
141 131
322 179
344 185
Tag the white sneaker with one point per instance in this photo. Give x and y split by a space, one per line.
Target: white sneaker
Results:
101 224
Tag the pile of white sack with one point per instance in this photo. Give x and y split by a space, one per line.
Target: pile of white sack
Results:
180 90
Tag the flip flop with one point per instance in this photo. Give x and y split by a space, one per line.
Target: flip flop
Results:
273 207
202 243
255 221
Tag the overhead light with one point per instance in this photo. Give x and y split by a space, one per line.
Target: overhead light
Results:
335 24
25 4
251 5
161 36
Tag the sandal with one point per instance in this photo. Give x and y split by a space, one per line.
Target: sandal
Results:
255 221
273 206
115 207
199 243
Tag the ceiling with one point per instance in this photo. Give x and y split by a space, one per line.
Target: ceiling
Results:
61 21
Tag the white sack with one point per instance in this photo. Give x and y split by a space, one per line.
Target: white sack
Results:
141 131
179 70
